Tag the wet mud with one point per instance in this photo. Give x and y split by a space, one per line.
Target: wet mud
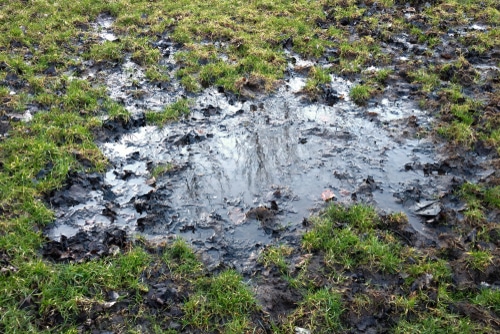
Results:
243 173
247 171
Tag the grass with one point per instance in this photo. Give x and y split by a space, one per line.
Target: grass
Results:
170 113
360 94
181 260
222 301
479 260
67 289
317 76
489 298
319 312
348 238
431 324
157 74
161 169
479 198
276 256
428 79
459 133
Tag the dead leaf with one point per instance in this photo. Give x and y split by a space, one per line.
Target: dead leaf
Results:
327 195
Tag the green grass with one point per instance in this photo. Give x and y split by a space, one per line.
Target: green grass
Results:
319 312
220 302
428 79
478 197
430 324
170 113
360 93
157 74
479 260
359 216
489 298
276 256
68 289
438 268
161 169
317 76
107 51
458 133
181 260
382 75
348 238
492 196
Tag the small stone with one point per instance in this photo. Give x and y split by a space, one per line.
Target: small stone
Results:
300 330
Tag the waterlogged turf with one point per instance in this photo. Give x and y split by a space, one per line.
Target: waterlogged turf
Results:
348 268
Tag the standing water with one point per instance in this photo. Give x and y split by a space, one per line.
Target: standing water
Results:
241 173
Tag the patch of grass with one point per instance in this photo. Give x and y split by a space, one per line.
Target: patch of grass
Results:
381 254
252 36
488 298
438 268
405 304
157 74
382 75
276 256
360 216
480 41
107 51
69 289
161 169
429 323
181 260
458 132
342 249
348 238
492 136
429 79
220 73
222 301
115 110
319 312
354 56
478 197
478 259
171 112
360 93
317 76
492 196
474 215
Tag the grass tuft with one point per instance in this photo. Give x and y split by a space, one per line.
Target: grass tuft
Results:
220 301
171 112
360 94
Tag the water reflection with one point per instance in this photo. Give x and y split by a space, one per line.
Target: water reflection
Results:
243 154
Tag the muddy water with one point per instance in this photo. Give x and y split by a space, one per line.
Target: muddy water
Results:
244 173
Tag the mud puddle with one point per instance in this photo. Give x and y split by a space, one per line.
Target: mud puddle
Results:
241 174
238 173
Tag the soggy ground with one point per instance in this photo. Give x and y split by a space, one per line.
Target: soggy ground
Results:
243 172
244 176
